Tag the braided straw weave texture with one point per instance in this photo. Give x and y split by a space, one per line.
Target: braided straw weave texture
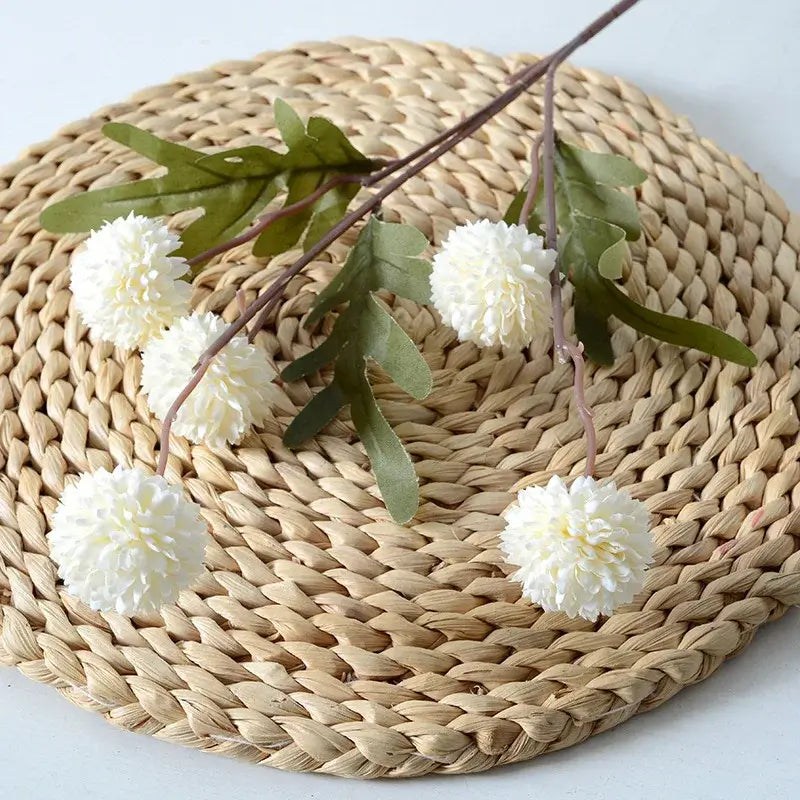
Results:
323 636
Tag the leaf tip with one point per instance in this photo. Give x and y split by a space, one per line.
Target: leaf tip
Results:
420 390
404 509
295 435
116 131
291 373
748 358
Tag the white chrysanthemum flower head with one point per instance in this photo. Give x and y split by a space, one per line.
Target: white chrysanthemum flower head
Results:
581 549
491 283
235 393
126 285
126 541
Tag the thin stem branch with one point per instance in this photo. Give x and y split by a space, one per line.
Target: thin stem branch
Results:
548 168
413 163
589 32
562 346
267 219
166 426
539 68
533 183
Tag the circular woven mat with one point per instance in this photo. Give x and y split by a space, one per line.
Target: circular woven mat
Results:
323 636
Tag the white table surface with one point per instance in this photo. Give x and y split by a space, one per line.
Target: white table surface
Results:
730 65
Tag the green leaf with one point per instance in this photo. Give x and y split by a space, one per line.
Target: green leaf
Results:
289 124
677 330
611 170
284 233
394 470
324 354
610 262
590 244
602 204
390 346
386 256
231 187
319 412
580 249
148 145
591 328
327 211
585 186
595 220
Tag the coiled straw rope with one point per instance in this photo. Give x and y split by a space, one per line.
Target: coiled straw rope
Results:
323 636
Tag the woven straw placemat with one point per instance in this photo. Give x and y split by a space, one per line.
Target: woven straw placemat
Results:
323 636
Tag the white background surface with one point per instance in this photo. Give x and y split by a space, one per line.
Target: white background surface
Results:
730 65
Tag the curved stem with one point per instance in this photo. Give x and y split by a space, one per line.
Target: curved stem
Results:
533 182
166 426
267 219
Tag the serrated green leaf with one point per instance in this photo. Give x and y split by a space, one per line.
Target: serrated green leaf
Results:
153 197
322 145
148 145
289 124
227 212
243 162
328 210
386 256
285 232
231 187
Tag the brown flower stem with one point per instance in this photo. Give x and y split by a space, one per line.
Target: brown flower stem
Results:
347 222
533 183
267 219
540 67
166 426
589 32
562 346
411 164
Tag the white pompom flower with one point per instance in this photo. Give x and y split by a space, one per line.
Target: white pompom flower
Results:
126 541
235 393
491 283
581 549
126 285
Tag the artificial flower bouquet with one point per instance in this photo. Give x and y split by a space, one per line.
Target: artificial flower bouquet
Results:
128 541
